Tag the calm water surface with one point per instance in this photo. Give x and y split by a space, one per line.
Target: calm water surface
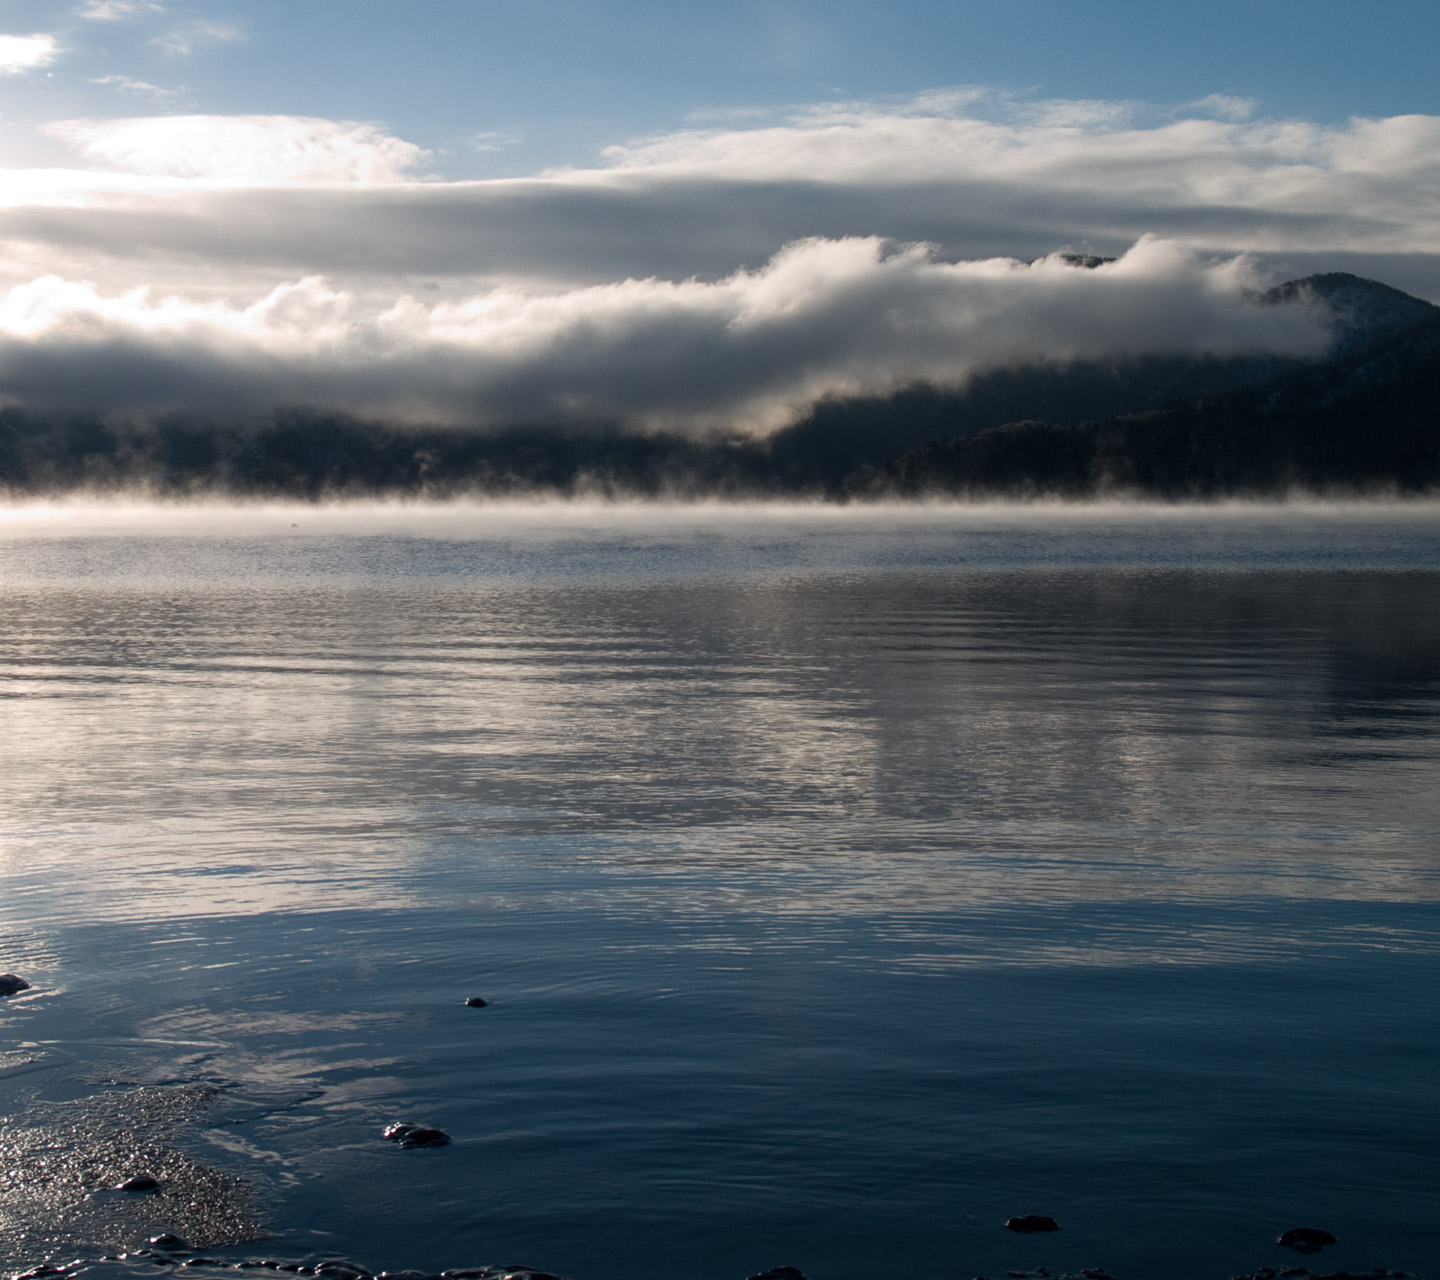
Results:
843 884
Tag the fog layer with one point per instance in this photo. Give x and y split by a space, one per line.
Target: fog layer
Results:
746 353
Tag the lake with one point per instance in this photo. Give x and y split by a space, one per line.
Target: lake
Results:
842 883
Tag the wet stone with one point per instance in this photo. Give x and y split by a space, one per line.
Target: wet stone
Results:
1305 1239
416 1135
139 1183
168 1242
11 985
475 1002
1030 1223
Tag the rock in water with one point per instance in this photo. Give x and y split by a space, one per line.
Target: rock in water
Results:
167 1242
779 1273
416 1135
140 1182
1030 1223
10 984
1305 1239
475 1002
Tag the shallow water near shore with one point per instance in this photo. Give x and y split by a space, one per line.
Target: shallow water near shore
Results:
842 883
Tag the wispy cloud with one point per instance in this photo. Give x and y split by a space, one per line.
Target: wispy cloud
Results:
192 37
142 88
26 53
492 141
1223 106
118 10
241 150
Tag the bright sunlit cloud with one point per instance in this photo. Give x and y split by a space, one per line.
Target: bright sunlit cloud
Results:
26 53
240 150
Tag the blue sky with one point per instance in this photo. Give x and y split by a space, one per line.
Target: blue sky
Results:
675 216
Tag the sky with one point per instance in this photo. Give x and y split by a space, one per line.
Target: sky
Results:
704 218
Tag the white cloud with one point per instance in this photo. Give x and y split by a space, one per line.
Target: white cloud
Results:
748 352
182 41
242 150
26 53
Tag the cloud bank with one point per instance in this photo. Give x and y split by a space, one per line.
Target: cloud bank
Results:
712 279
192 201
744 354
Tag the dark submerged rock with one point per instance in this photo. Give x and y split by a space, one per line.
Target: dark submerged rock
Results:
140 1182
416 1135
1305 1239
10 984
1030 1223
476 1002
167 1242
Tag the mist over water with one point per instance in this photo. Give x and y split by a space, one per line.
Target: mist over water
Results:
844 882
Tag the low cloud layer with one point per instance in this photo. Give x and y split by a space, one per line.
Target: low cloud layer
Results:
746 353
197 202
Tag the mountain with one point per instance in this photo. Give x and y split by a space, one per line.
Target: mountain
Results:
840 437
1363 311
1366 419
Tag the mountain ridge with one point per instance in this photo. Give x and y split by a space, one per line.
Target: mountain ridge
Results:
1363 420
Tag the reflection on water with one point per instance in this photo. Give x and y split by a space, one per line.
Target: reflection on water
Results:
842 887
